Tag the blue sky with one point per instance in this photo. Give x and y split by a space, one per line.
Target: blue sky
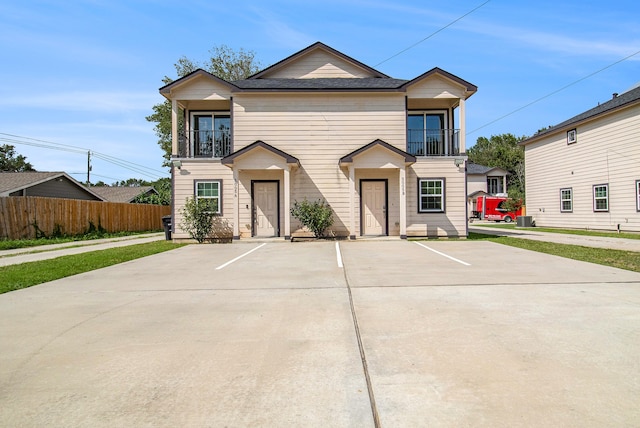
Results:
86 73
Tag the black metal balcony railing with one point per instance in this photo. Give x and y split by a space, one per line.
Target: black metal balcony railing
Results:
205 144
433 142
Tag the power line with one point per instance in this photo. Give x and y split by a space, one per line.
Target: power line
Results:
553 93
140 169
433 34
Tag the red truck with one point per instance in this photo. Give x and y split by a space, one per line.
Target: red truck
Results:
492 208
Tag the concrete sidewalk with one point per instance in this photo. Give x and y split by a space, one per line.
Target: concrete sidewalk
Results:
561 238
45 252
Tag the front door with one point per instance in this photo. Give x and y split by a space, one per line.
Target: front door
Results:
265 208
374 207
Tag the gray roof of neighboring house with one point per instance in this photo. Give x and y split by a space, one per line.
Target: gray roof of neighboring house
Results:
14 181
474 168
122 194
632 96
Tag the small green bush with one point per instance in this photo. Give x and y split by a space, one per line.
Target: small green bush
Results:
316 216
197 219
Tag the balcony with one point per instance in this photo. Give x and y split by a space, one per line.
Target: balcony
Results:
204 144
433 142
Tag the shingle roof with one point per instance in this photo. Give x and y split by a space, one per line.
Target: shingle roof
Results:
630 97
14 181
372 83
474 168
121 194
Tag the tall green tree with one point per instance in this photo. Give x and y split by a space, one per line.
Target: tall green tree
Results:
224 62
502 151
10 161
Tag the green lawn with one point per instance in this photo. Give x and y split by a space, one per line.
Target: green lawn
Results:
14 277
629 260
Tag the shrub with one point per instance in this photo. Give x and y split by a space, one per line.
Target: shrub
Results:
197 219
316 216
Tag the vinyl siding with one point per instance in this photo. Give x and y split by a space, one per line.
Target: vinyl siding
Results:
435 87
451 223
184 187
318 64
606 151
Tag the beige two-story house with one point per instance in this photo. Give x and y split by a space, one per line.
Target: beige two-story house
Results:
585 172
387 154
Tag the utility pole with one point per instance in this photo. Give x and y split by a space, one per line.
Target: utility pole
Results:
88 168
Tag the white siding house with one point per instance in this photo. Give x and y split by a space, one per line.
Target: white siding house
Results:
585 172
387 154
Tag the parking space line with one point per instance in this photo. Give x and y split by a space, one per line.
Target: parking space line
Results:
443 254
240 256
339 255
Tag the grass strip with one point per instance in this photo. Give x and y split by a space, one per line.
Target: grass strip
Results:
628 260
11 244
15 277
626 235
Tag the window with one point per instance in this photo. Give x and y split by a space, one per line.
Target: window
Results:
638 195
210 134
572 136
566 200
210 191
427 135
494 185
601 197
431 194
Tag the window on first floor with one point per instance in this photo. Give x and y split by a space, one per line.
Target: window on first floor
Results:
494 185
211 192
601 197
431 195
638 195
566 200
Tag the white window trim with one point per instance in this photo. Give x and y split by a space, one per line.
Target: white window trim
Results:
638 195
219 197
600 210
442 195
572 136
562 210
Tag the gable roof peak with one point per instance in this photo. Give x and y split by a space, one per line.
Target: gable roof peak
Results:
315 46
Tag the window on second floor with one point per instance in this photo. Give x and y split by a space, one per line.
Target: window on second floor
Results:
210 134
495 185
601 198
427 134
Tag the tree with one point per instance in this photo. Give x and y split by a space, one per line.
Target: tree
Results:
502 151
224 63
163 187
12 162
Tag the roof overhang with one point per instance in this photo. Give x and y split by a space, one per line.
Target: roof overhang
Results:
254 149
393 151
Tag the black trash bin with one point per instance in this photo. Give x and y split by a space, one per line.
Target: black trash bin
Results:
166 222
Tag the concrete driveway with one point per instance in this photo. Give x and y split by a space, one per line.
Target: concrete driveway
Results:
354 334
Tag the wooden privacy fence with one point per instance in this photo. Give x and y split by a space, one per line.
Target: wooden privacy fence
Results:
30 216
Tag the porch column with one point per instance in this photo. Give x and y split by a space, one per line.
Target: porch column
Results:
236 204
403 202
287 203
463 127
352 202
174 127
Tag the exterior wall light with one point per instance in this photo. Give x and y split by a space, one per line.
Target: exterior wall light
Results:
176 163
